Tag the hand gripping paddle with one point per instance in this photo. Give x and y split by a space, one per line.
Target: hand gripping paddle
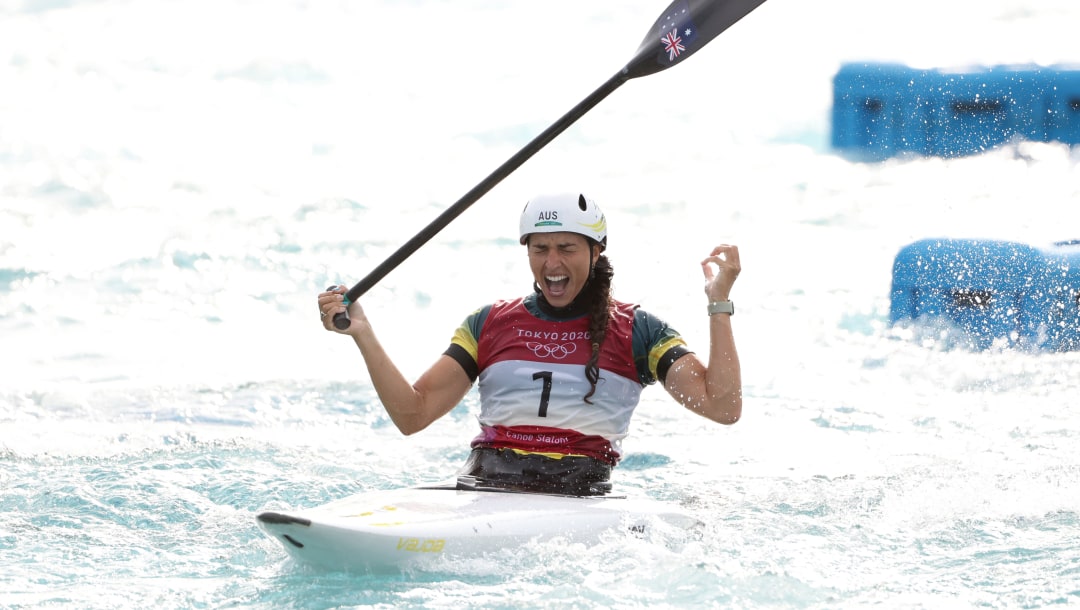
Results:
681 30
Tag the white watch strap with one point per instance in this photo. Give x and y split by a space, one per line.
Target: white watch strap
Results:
721 307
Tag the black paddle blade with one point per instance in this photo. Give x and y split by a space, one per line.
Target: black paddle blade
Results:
682 29
685 27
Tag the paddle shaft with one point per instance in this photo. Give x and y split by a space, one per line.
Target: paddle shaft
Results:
699 21
484 186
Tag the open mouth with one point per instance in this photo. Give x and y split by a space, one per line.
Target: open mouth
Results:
556 285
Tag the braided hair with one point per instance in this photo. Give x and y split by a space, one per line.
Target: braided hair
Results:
597 299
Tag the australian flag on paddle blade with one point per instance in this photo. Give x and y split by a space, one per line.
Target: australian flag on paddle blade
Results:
677 34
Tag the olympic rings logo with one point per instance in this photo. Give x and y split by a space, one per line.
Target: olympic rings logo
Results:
558 351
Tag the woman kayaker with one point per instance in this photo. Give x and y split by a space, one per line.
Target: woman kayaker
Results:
560 370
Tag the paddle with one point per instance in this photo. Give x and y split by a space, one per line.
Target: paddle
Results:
681 30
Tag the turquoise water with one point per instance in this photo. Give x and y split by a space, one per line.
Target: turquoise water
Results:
903 508
177 182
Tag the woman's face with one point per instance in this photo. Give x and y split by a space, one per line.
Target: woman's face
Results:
560 264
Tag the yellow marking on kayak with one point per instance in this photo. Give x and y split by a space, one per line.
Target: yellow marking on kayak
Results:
388 524
416 545
369 513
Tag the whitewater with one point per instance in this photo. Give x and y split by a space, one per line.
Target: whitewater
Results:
178 181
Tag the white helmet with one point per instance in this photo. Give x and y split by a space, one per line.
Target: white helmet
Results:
569 212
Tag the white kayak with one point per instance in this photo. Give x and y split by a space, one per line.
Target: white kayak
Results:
390 530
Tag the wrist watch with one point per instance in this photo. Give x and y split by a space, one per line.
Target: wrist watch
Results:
721 307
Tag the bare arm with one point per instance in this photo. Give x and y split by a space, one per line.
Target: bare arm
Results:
412 407
713 390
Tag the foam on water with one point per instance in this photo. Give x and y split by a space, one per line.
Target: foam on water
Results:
177 181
